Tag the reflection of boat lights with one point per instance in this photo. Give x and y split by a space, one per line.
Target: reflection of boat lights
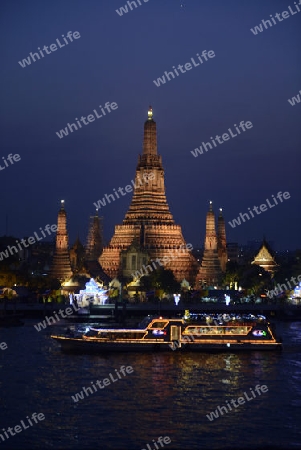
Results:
259 333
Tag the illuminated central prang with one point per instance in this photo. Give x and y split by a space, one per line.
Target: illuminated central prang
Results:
148 224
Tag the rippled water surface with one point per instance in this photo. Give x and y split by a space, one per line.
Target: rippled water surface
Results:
168 394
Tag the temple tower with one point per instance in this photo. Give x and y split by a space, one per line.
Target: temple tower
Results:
61 267
210 271
94 242
221 241
148 220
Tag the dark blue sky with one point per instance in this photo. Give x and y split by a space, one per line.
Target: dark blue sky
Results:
116 59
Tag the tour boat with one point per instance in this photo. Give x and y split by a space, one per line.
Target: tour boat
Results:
199 332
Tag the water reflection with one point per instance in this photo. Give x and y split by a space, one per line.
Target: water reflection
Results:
167 394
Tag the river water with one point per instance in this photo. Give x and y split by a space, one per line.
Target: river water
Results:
167 394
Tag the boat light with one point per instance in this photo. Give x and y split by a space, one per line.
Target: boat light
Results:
159 332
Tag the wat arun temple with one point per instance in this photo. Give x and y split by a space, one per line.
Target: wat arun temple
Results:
147 234
149 222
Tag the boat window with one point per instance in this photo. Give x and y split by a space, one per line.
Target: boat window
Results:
159 324
198 331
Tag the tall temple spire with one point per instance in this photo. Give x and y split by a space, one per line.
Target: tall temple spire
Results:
211 239
221 241
150 135
148 219
61 267
149 204
150 113
210 270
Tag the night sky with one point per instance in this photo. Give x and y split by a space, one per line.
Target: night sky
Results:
116 59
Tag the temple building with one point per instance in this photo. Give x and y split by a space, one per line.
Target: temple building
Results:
148 221
133 258
61 267
221 241
265 259
215 253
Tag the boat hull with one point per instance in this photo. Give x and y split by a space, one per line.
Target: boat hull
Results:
84 346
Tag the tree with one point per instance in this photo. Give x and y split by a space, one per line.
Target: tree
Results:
161 279
255 279
232 274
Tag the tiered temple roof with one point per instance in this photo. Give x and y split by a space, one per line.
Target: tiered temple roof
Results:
61 267
210 271
265 258
148 220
